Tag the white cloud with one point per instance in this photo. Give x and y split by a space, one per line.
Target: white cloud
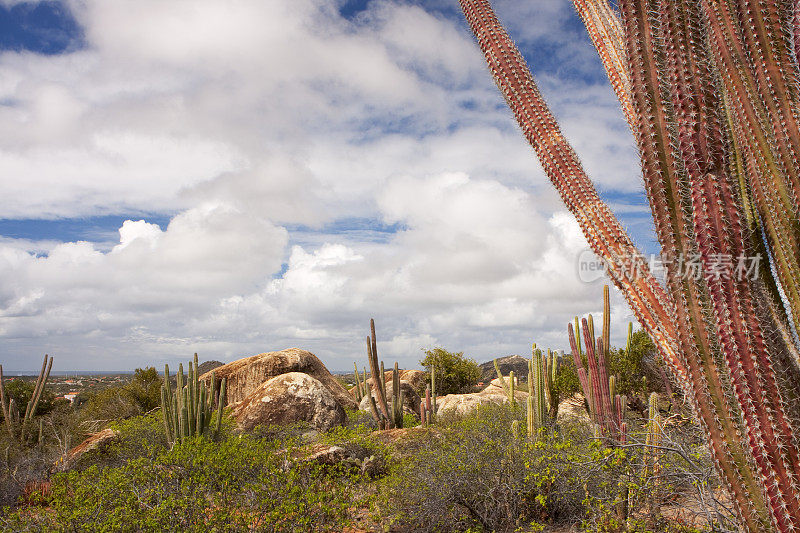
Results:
240 119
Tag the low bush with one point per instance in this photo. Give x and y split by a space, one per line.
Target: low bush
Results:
240 484
471 473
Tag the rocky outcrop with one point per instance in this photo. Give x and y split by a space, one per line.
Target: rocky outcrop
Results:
208 366
289 398
464 403
249 374
92 442
512 362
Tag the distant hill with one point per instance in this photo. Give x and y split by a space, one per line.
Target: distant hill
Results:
511 362
208 366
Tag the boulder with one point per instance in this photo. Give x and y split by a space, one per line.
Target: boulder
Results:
248 374
573 410
95 441
516 363
463 403
416 378
290 398
410 405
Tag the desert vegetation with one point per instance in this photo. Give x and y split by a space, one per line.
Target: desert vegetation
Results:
550 447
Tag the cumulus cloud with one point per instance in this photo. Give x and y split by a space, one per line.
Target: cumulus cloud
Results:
254 124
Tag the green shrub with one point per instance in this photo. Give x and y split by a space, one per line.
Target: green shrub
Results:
141 395
455 373
239 484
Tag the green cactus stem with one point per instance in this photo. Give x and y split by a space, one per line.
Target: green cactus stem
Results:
16 425
359 390
188 411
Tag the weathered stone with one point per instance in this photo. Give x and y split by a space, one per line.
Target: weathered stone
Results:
410 403
289 398
573 410
464 403
248 374
92 442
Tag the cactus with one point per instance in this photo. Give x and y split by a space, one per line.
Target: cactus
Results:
15 425
653 437
652 467
509 389
387 412
188 410
709 90
542 401
606 407
361 383
428 405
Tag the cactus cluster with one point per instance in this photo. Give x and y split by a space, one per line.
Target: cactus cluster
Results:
17 425
606 407
188 411
542 401
361 383
543 398
387 412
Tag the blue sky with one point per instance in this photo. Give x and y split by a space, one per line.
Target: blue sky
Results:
244 177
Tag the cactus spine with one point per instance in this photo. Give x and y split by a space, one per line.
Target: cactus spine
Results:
187 411
17 428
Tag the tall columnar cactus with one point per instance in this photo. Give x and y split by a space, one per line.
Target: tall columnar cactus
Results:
653 438
606 407
427 408
510 386
710 90
17 425
188 411
542 401
361 388
387 411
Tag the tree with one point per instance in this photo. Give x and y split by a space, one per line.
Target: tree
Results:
710 90
455 374
145 388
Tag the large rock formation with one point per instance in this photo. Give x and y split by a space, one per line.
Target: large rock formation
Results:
289 398
512 362
494 393
249 374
